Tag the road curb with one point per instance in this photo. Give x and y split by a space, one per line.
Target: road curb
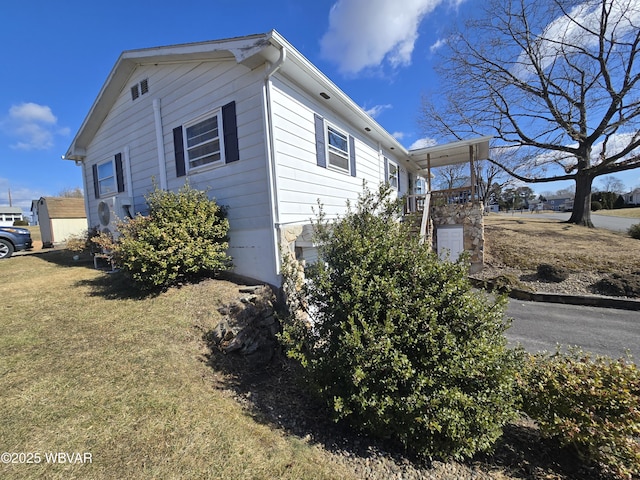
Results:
585 300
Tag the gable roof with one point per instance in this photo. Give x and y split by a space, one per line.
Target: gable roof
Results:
8 209
64 207
268 49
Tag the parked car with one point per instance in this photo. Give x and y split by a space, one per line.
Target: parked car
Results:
14 239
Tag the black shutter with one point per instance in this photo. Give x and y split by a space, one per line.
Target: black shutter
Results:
119 172
399 170
386 170
321 154
96 186
230 131
178 147
352 155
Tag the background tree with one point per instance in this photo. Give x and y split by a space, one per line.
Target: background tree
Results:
556 80
75 192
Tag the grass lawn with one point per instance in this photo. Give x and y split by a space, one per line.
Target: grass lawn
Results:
86 368
622 212
524 243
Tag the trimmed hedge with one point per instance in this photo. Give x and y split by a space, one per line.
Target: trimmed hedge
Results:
399 345
590 402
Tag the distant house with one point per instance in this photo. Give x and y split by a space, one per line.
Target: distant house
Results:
59 218
559 203
632 198
252 121
8 215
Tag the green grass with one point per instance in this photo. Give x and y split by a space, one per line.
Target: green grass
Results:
86 368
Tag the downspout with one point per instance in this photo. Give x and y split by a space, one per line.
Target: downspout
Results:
157 115
271 166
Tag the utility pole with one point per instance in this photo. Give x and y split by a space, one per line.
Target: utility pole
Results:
10 203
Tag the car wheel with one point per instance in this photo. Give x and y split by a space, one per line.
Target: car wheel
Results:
6 249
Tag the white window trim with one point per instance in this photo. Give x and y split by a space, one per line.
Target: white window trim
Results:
115 179
390 164
335 150
221 161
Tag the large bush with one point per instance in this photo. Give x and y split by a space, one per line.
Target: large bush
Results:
183 236
592 403
634 231
400 345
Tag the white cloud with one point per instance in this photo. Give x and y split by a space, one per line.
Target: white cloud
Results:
579 29
377 110
423 143
398 135
366 33
34 126
438 45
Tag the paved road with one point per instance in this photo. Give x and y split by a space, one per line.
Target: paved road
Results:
619 224
606 331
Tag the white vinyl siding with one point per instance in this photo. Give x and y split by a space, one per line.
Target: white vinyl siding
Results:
187 92
301 181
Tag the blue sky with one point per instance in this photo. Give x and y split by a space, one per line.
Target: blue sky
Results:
57 55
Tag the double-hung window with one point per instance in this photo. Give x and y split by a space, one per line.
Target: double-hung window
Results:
338 146
393 175
106 178
204 141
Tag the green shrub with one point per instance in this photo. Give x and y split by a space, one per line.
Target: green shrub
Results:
595 206
184 236
399 345
592 403
634 231
20 223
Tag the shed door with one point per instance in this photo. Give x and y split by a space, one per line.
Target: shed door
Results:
450 242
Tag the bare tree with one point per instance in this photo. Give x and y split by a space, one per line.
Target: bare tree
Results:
612 184
556 80
71 193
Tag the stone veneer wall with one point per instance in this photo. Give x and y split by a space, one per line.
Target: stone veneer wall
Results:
470 216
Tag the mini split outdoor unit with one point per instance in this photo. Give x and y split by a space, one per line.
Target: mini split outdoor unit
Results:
111 210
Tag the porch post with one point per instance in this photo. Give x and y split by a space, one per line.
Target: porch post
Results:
473 174
428 172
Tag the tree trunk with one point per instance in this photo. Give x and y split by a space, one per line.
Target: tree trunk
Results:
581 214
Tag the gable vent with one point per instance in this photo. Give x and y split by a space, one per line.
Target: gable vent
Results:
140 89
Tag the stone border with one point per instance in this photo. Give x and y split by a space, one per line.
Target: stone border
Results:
584 300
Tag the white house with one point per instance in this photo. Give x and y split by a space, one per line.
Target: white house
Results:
8 215
633 197
250 119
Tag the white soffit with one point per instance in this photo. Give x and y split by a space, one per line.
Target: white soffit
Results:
452 153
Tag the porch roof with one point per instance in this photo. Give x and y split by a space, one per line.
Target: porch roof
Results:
452 153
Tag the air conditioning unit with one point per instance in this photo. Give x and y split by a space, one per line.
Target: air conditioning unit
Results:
111 210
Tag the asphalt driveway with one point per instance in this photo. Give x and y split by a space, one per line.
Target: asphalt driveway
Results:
606 331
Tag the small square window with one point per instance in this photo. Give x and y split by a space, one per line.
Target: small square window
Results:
135 92
144 86
338 146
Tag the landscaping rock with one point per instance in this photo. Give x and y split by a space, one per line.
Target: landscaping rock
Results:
249 326
552 273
